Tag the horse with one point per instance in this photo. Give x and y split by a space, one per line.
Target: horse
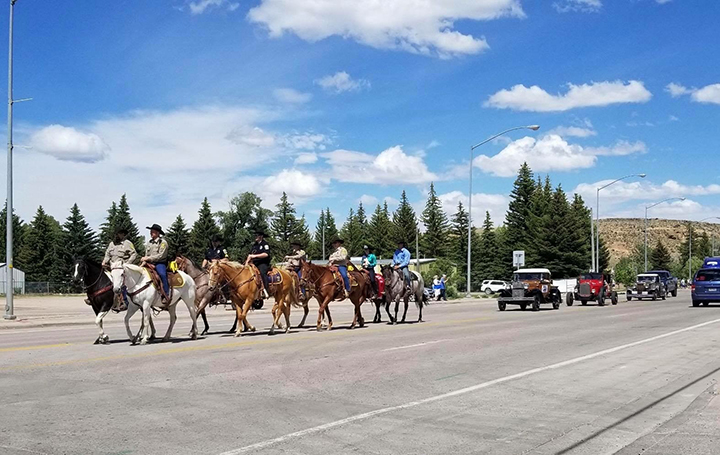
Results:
201 278
326 289
99 288
395 290
143 294
245 285
302 297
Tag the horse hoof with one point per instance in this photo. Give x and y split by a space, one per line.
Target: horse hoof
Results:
97 341
287 330
194 336
152 338
204 332
394 323
237 334
166 339
143 342
272 332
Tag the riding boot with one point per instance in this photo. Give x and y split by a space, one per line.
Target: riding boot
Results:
119 304
347 293
265 294
88 302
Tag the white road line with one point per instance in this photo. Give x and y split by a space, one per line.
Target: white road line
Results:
484 385
413 345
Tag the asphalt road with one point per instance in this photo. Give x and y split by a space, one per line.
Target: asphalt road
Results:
639 377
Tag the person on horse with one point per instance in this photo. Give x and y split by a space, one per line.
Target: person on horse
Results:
216 251
295 260
120 249
156 253
260 257
401 261
369 262
339 259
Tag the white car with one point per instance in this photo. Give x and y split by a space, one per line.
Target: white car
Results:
493 286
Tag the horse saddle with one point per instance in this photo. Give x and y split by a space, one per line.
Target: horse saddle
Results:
339 280
274 276
175 280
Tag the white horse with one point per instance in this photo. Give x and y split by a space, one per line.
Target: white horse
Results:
142 294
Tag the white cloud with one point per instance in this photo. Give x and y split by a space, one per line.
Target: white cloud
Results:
252 136
200 6
496 204
306 141
291 96
368 200
585 6
417 26
535 99
662 2
621 148
342 82
298 185
573 131
676 90
69 144
392 166
306 158
629 190
709 94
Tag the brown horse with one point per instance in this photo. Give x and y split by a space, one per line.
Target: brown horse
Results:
326 289
244 286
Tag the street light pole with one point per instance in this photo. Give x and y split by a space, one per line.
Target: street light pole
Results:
322 217
597 216
9 286
646 224
470 223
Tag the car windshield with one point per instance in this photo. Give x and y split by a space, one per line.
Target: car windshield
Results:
531 276
708 275
646 278
591 276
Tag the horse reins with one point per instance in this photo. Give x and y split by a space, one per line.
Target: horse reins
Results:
98 292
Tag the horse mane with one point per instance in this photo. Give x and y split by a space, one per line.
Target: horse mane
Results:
233 264
135 268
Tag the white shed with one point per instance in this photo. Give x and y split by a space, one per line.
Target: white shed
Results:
18 279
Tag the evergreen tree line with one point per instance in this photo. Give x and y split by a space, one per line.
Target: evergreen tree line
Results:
553 231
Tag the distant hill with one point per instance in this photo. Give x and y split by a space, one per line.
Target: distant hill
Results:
622 234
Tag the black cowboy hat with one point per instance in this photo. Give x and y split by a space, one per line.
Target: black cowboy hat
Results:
122 231
338 240
296 242
156 227
216 238
260 232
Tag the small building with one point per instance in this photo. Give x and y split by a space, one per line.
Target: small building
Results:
18 279
424 263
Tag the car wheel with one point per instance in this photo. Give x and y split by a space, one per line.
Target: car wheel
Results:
655 296
696 303
536 303
674 292
629 298
583 302
569 299
706 303
614 298
523 306
502 306
664 296
556 303
488 291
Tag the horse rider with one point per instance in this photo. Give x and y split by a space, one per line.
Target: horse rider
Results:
401 261
339 259
369 262
120 249
295 260
260 257
216 251
156 253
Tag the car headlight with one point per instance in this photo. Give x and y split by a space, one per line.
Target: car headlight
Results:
526 286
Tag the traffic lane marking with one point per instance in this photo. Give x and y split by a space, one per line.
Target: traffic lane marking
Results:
413 345
367 415
41 346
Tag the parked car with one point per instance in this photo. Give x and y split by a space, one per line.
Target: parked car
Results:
493 286
705 287
530 287
593 286
647 286
670 282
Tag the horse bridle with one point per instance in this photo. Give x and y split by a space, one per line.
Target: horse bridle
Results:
227 282
100 275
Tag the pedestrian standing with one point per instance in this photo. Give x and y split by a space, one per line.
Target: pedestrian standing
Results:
443 284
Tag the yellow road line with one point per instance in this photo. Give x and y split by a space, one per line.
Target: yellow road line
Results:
282 339
29 348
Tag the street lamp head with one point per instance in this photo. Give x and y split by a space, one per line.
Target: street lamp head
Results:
534 127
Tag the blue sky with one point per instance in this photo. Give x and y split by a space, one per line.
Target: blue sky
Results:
336 101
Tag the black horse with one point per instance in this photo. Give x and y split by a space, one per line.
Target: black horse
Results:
99 289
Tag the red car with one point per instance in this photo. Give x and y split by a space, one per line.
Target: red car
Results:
590 287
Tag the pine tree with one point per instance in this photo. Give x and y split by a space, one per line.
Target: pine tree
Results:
303 233
539 248
488 265
202 232
579 238
40 253
459 243
314 250
604 259
434 241
380 232
178 238
558 258
516 219
331 232
284 226
660 257
244 217
108 228
123 220
19 230
352 234
79 239
405 224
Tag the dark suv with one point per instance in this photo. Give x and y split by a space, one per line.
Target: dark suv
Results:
706 284
670 282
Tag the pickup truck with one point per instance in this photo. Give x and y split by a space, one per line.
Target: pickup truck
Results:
670 282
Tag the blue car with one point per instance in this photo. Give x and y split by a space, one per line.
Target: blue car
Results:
706 286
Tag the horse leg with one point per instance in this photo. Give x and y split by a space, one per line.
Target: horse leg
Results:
406 301
327 312
287 317
242 316
189 300
102 336
147 310
173 318
388 302
152 329
397 307
132 308
420 319
205 321
306 310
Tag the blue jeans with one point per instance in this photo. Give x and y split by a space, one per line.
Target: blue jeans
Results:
406 276
343 273
299 274
162 271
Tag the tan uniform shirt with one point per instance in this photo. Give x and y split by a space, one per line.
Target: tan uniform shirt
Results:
339 256
293 260
123 251
157 250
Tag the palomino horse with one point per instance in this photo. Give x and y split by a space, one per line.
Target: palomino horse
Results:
99 288
322 280
142 294
242 280
201 278
395 290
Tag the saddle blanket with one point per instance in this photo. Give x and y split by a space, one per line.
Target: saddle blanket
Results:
274 276
339 280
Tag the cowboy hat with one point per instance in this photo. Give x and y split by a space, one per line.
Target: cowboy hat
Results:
260 232
296 242
122 231
216 238
338 240
156 227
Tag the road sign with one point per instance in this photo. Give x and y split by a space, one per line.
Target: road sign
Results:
518 259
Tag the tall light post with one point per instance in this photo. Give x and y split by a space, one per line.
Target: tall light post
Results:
690 231
646 223
597 216
470 223
9 290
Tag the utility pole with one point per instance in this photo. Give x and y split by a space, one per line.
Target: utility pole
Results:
592 241
9 286
322 223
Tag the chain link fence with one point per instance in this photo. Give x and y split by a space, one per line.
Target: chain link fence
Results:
47 287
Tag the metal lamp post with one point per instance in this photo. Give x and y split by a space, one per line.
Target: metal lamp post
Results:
9 289
597 216
472 149
690 231
646 223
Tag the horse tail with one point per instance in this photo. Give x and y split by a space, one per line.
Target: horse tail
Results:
294 290
420 291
